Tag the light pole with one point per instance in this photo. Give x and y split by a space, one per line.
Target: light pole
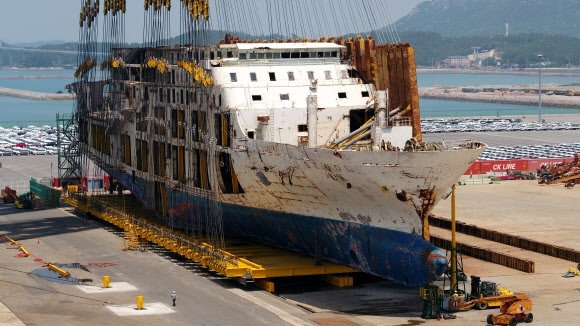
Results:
51 182
540 58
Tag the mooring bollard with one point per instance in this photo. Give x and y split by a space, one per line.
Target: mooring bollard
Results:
106 282
139 302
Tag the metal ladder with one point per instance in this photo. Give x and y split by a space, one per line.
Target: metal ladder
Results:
271 125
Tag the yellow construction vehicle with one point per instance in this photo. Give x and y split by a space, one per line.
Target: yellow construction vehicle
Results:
513 310
486 294
572 272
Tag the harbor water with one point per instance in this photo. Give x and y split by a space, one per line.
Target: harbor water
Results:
23 112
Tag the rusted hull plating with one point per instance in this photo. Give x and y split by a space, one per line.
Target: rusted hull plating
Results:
361 209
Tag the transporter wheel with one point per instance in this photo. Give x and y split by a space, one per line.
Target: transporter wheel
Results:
481 305
513 321
490 319
529 318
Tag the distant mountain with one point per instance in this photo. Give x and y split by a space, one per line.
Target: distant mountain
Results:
453 18
36 44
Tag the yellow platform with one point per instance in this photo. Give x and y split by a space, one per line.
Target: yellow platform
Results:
238 259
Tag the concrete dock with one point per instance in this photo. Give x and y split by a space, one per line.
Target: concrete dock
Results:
37 96
546 213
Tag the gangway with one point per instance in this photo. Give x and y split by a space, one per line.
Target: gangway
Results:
243 260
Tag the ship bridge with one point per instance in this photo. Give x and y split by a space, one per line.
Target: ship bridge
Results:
280 53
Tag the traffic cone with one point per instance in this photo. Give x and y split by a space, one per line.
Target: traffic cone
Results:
38 242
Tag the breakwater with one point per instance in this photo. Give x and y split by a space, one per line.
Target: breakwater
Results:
30 95
522 98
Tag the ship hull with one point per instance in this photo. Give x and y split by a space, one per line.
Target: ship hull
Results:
398 256
353 216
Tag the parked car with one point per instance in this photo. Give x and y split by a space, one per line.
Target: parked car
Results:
508 176
37 150
6 152
20 151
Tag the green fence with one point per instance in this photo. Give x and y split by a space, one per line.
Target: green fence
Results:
50 195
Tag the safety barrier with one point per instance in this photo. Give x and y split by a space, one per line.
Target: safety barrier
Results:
478 181
522 265
508 239
50 195
20 186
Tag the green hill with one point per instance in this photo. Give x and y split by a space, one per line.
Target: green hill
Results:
487 18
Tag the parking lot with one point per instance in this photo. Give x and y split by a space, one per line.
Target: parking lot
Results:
492 124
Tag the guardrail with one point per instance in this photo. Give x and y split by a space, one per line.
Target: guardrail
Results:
20 186
50 195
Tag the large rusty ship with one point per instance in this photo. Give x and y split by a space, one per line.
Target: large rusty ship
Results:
313 145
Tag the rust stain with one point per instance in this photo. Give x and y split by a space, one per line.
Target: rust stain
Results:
292 237
347 216
427 197
364 219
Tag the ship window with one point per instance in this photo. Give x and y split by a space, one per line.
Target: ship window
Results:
364 93
311 74
161 95
285 55
253 76
256 97
327 54
251 134
284 97
233 77
277 55
290 75
334 54
327 74
253 55
219 54
343 74
173 95
304 55
295 55
181 96
230 54
260 55
320 54
220 100
270 55
272 76
211 55
243 56
302 128
341 95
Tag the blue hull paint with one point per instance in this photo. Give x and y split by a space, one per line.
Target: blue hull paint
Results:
401 257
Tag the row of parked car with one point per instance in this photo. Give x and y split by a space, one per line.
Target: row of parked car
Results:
529 152
29 140
28 150
497 124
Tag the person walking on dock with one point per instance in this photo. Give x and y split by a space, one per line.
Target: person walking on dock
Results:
173 297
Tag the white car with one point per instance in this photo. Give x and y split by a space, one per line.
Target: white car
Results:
37 150
20 151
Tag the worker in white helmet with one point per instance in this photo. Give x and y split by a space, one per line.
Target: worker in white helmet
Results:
173 297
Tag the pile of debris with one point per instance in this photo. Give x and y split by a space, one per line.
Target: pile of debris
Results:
568 172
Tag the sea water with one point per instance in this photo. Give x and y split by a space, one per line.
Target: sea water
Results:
23 112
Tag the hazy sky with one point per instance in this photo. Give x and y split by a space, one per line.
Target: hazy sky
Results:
49 20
